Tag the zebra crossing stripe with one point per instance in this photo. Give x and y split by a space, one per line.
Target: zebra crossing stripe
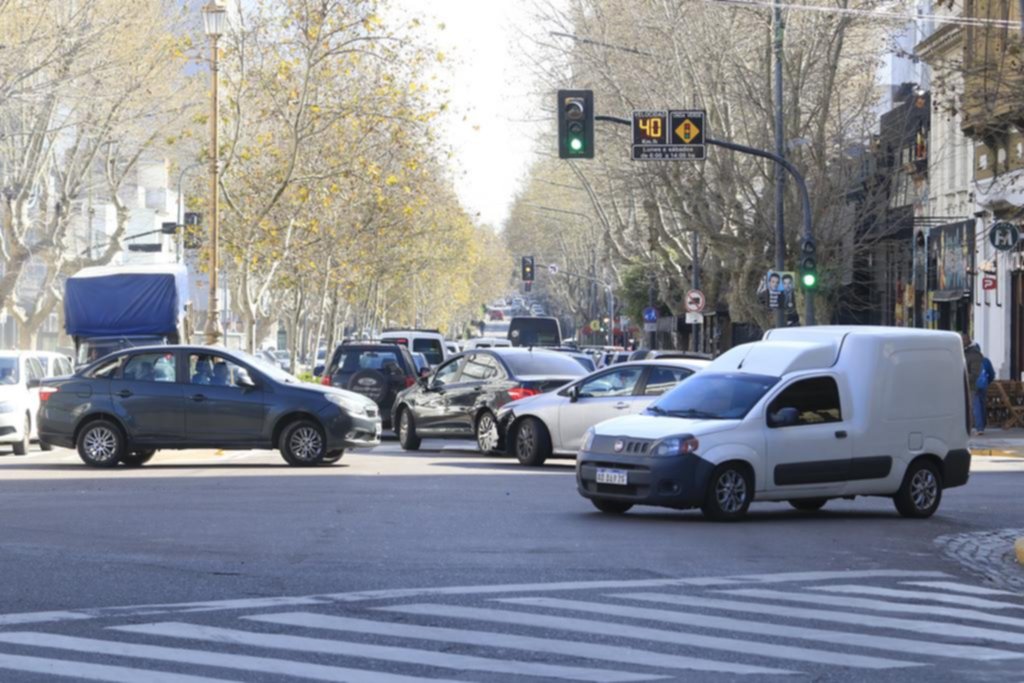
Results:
841 575
223 660
404 655
957 587
760 628
877 605
962 600
84 671
572 648
933 628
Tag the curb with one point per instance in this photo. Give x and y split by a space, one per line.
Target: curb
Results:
1019 548
996 453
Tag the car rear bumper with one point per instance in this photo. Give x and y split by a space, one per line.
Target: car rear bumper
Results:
671 481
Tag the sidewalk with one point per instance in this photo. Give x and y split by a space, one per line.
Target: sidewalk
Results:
999 442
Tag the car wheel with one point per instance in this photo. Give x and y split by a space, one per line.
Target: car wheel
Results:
487 438
21 447
332 457
302 444
921 492
730 490
101 444
138 458
407 438
612 507
533 443
809 504
43 446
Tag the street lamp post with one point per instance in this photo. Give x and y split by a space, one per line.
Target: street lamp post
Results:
214 15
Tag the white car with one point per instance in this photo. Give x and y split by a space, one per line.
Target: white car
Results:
54 364
807 415
488 343
539 427
430 343
20 374
452 348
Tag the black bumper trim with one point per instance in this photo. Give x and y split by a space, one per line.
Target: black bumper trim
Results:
673 481
956 468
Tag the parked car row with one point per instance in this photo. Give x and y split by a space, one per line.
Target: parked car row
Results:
20 375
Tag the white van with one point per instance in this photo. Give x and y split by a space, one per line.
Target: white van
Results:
430 343
805 415
487 343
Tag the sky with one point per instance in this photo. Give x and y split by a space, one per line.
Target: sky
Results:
492 87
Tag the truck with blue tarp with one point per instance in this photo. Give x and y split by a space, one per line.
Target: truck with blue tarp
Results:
107 308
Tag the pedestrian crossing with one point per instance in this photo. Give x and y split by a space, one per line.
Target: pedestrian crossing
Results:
878 625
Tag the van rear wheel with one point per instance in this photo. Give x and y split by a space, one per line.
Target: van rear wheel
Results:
921 492
809 504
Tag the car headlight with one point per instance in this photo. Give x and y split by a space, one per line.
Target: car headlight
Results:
346 403
7 407
676 445
588 439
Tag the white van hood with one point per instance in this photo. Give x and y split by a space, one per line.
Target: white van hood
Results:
660 426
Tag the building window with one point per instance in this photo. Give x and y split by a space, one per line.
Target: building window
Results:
1001 155
983 162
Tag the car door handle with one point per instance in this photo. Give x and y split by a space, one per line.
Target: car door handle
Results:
198 398
124 393
841 434
621 405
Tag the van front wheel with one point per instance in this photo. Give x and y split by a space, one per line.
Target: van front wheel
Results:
730 490
921 492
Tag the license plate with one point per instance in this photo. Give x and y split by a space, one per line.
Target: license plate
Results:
618 477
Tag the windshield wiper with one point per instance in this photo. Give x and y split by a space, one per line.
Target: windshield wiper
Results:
694 413
657 411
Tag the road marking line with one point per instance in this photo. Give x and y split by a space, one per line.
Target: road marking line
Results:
404 655
841 574
958 587
97 672
901 645
877 605
223 660
572 648
935 628
40 617
962 600
593 628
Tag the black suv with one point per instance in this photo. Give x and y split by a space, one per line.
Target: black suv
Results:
377 371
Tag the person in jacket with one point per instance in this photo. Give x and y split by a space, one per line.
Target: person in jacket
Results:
980 375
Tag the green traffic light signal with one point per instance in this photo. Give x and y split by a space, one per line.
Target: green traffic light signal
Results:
575 144
810 280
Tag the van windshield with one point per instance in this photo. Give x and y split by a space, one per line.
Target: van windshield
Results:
718 396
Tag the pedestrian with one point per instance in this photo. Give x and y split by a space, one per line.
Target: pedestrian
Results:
980 375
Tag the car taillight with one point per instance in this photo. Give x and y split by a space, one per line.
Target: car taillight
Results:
516 393
409 381
326 381
46 392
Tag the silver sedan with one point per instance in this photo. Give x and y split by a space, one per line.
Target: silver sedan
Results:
553 424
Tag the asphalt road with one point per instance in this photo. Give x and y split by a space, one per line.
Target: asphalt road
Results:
852 592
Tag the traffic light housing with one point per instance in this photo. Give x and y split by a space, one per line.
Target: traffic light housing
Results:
576 124
808 264
528 269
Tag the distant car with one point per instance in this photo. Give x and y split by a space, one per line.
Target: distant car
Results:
452 348
20 374
487 343
377 371
537 428
54 364
430 343
533 331
284 359
126 406
461 398
651 354
613 357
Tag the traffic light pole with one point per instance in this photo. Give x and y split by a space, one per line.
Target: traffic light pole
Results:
805 200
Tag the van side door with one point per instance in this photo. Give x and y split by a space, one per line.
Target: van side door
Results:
807 446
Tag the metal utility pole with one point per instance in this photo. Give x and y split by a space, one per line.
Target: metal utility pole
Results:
780 150
652 337
695 344
214 15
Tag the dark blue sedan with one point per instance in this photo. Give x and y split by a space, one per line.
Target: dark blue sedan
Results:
126 406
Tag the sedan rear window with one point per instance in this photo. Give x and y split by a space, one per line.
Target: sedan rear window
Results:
354 360
548 363
431 348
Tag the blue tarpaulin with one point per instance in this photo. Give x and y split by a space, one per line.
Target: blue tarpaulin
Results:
113 301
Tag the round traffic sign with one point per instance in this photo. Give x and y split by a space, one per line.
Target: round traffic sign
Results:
1004 236
650 315
694 301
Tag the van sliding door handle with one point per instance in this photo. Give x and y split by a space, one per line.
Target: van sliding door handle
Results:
841 434
124 393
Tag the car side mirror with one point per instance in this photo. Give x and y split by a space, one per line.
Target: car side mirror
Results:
574 393
34 383
784 417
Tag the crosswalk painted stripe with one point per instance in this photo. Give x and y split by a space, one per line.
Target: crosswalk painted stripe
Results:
761 628
616 630
96 672
572 648
957 587
934 628
877 605
961 600
840 575
223 660
404 655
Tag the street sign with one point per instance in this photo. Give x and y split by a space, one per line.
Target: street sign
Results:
553 268
1004 236
650 315
676 134
694 319
989 282
595 325
695 301
650 327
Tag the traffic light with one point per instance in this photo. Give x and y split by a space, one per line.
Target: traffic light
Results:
527 269
808 264
576 124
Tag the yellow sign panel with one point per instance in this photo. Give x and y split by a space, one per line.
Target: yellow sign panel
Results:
687 131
